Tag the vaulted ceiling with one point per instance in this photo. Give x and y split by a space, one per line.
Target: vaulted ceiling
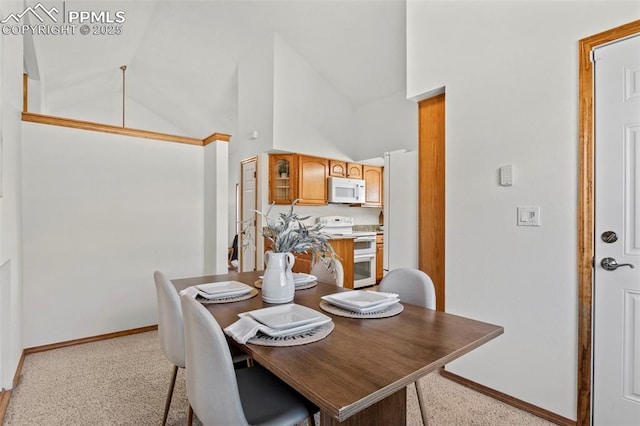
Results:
182 56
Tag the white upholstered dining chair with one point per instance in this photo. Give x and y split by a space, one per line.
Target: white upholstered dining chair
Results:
329 270
171 333
415 287
221 396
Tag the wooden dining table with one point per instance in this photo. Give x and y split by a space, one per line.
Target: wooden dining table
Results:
358 374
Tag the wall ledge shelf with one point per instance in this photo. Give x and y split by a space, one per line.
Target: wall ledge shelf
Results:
126 131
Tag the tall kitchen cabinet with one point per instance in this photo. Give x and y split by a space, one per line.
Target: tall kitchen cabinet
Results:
373 182
296 176
379 258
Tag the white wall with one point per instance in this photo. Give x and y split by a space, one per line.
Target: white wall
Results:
255 113
216 208
10 202
309 114
101 212
107 109
510 71
388 124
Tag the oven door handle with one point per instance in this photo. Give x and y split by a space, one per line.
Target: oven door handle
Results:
364 256
364 239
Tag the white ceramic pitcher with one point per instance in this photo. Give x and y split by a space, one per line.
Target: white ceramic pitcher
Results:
277 282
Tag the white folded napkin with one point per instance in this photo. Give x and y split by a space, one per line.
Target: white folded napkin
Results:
194 291
244 329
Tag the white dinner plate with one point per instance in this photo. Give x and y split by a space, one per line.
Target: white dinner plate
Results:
360 298
361 301
223 289
374 308
294 330
300 278
287 316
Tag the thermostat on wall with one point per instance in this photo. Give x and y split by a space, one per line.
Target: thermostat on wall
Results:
506 175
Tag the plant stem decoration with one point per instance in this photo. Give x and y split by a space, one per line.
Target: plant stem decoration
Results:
289 233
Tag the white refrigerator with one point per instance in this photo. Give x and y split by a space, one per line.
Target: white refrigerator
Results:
400 210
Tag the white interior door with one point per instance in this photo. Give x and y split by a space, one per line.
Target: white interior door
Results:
616 327
247 238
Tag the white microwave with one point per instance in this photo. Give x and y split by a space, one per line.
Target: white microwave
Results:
349 191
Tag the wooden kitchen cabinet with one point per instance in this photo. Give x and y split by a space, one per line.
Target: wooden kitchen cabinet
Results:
337 168
295 176
312 180
344 253
282 178
303 263
379 258
304 177
373 181
354 170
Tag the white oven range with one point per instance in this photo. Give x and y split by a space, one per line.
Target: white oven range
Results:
364 248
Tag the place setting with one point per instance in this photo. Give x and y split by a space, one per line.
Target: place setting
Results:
283 325
301 281
362 304
221 292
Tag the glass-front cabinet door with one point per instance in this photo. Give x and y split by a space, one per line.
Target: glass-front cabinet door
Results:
282 189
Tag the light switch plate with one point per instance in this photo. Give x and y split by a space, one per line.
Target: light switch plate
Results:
529 216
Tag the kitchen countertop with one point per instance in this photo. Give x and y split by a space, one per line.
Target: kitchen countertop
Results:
343 237
366 228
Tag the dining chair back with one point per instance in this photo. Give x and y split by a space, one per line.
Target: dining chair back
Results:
171 333
412 286
415 287
170 330
221 396
329 270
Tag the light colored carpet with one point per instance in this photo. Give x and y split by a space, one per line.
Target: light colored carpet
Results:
124 381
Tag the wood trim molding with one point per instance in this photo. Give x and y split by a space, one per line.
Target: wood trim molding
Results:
216 137
586 206
507 399
108 128
431 193
5 395
16 375
36 349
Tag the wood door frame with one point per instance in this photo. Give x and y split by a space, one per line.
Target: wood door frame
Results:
253 159
431 192
586 207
